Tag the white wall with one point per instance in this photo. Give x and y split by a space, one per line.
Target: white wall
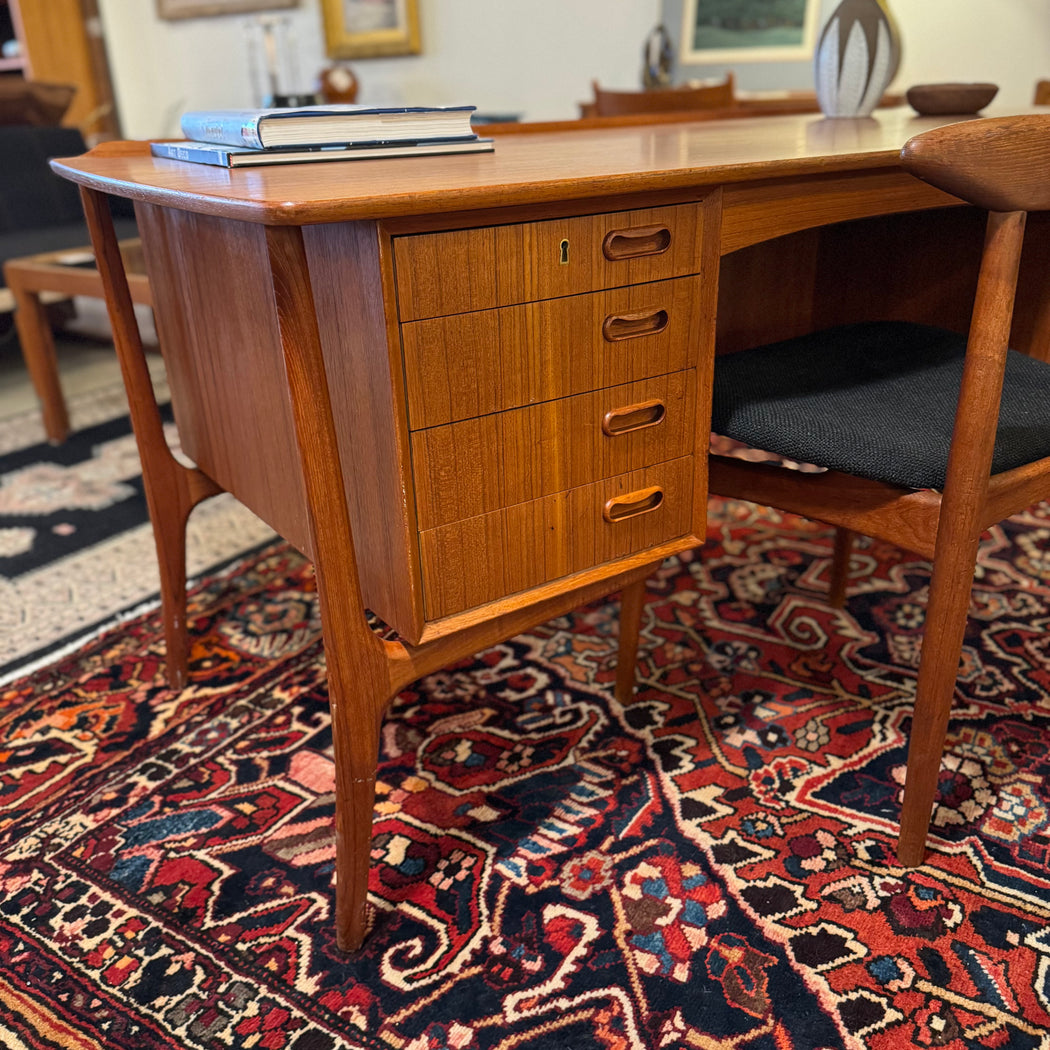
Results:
531 57
535 57
1006 42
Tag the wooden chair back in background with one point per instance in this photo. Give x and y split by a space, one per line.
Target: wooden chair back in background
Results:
663 100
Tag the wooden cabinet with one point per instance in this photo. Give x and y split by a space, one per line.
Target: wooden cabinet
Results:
531 458
61 43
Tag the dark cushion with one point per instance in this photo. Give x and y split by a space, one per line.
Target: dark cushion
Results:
31 194
876 400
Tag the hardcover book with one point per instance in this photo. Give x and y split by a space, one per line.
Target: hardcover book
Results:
232 157
345 125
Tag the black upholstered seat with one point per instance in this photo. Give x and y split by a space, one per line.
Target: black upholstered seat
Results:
874 400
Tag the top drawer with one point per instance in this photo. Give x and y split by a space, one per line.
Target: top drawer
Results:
461 270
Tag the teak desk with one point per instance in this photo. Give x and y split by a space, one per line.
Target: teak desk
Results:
475 389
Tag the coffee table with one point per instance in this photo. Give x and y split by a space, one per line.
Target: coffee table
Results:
35 280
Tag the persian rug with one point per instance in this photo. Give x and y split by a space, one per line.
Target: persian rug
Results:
710 866
76 549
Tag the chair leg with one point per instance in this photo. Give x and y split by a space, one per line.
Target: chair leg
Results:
632 601
840 567
946 615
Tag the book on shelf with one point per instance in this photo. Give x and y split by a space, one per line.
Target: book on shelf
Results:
233 157
336 125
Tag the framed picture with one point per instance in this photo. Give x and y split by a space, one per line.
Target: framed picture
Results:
202 8
748 30
369 28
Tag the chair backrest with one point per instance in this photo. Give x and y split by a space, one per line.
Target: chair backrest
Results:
663 100
1042 93
999 163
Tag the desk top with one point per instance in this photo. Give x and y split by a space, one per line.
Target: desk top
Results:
524 169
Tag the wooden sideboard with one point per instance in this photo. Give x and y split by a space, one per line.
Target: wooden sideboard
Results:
475 390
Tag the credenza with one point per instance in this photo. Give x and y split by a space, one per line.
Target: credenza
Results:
475 390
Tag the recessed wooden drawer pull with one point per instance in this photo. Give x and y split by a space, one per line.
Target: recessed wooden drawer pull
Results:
634 503
635 242
630 326
633 417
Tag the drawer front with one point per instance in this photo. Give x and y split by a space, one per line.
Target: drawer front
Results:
478 560
469 468
492 360
461 270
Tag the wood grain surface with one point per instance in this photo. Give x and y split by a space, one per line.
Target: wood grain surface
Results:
487 267
524 169
469 468
508 551
487 361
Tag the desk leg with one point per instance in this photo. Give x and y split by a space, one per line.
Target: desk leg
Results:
632 602
360 685
172 490
38 351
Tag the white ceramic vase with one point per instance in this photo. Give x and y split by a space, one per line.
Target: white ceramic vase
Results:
857 57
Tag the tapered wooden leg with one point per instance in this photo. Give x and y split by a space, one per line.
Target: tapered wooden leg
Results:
632 601
938 669
359 663
172 489
840 567
38 352
959 525
169 536
356 719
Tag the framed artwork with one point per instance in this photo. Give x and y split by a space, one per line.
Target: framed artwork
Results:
748 30
370 28
201 8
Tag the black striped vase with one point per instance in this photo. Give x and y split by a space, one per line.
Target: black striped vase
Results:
857 57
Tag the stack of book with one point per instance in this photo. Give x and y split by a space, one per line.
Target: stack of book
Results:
241 138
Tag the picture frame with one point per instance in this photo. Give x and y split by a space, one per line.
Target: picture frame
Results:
734 31
173 9
371 28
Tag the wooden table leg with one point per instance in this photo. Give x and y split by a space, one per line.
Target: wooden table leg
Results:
38 352
172 489
632 601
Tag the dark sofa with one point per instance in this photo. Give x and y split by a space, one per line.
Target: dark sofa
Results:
40 212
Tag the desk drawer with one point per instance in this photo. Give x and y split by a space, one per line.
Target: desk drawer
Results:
491 360
479 465
461 270
493 555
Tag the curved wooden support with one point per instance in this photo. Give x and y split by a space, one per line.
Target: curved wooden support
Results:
958 534
359 682
172 490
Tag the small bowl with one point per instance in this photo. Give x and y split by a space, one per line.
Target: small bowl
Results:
950 99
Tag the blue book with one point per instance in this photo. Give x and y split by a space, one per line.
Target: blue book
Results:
232 157
337 125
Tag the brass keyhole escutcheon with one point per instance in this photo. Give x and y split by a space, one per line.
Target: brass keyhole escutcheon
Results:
564 253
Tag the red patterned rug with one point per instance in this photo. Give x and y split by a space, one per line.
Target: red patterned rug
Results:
710 867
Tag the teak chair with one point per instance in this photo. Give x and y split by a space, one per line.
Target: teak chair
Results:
1042 93
928 437
663 100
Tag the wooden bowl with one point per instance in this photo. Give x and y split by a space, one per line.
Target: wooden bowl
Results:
941 99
